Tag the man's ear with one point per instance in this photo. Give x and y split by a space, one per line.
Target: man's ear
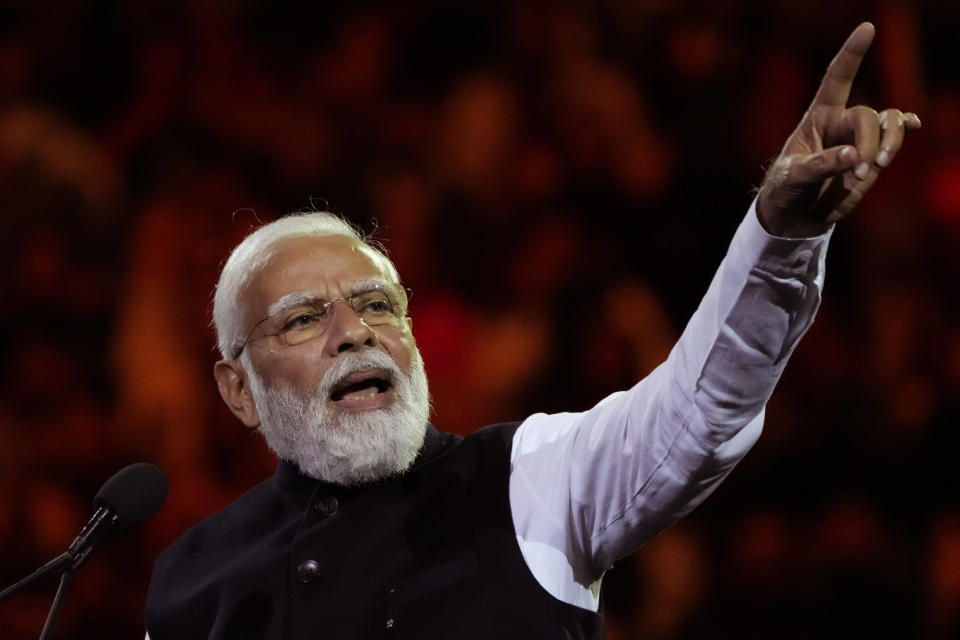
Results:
235 390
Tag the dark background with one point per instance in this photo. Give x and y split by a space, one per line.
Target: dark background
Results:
556 182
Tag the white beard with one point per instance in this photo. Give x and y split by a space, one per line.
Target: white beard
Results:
346 447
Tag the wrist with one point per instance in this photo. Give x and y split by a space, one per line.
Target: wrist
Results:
783 223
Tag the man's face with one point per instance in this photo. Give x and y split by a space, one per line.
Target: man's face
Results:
350 404
327 268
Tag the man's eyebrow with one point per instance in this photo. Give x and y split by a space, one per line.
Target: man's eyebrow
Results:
367 285
297 298
292 300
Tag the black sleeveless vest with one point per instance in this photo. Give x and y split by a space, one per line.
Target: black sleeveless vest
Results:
430 554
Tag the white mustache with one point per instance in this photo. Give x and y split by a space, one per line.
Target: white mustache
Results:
351 362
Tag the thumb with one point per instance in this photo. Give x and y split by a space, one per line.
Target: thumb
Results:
818 167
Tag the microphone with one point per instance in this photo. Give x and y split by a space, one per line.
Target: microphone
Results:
128 498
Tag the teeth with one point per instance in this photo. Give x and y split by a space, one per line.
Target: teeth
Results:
363 394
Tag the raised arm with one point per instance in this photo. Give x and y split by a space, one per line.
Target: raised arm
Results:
588 488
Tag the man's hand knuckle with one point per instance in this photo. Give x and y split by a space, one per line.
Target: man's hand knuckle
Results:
861 111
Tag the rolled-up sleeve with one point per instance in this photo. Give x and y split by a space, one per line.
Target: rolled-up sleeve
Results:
588 488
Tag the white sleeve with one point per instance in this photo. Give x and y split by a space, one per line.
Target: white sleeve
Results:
588 488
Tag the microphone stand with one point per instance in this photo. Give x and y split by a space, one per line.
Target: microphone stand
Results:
59 564
65 564
54 613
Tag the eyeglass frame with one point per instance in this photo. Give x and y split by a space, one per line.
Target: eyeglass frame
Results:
301 299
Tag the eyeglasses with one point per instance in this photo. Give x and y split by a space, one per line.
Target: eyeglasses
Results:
304 318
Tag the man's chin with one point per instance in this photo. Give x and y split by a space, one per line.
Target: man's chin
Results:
357 445
345 435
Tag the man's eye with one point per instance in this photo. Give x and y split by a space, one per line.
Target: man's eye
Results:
301 321
376 306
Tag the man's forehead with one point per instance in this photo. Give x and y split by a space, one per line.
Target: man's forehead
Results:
319 266
333 255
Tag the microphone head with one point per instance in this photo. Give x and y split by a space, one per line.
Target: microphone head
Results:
134 493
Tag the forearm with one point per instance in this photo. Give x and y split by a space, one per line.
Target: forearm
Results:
702 410
596 485
761 301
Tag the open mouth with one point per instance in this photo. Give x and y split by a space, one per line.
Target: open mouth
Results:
362 385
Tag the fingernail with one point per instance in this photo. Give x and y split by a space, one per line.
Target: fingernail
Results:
883 159
883 120
862 170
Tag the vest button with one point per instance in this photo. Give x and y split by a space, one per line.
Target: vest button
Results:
326 506
308 571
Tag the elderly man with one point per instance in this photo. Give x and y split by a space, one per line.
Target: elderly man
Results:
378 525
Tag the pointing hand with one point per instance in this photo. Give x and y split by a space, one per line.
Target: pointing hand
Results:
834 155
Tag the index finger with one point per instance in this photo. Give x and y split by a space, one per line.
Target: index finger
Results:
835 88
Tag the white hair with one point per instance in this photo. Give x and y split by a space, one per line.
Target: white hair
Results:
255 250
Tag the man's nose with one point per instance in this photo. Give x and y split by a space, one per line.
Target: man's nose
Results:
347 331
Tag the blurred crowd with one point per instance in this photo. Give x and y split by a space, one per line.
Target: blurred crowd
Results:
556 182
